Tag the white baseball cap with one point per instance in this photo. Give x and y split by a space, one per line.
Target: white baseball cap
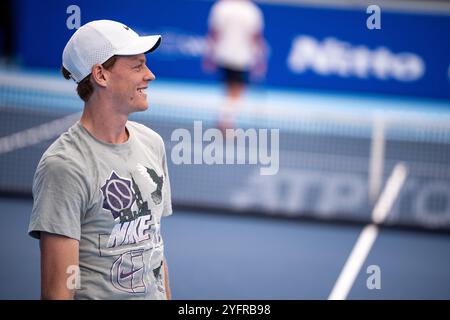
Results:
97 41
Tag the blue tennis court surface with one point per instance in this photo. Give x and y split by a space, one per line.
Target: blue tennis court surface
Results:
325 167
215 256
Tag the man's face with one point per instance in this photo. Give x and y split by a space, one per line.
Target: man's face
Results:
128 81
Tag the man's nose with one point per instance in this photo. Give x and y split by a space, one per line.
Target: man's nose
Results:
149 76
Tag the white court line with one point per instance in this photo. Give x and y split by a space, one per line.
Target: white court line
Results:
354 263
390 193
38 134
369 234
376 166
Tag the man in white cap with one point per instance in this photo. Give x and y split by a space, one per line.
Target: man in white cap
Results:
101 188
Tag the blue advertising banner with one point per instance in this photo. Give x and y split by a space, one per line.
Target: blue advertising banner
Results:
309 48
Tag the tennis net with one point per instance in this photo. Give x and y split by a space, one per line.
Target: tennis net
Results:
335 151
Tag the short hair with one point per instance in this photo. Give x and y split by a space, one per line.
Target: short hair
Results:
85 87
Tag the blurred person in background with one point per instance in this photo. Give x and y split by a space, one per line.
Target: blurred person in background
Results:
235 45
101 189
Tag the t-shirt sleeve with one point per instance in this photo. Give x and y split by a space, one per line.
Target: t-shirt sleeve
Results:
59 199
167 205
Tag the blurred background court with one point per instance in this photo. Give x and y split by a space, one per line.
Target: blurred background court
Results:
350 103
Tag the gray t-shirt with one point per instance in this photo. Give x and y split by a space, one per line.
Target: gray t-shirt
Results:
111 198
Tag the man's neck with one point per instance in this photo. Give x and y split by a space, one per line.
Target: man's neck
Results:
103 123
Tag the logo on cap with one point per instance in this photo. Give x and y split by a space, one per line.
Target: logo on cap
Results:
126 28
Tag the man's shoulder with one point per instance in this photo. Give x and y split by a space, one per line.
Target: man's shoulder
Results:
58 162
62 153
64 141
145 132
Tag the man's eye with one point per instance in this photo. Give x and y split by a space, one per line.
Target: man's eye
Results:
138 67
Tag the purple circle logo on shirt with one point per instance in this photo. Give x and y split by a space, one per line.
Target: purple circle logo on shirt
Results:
117 194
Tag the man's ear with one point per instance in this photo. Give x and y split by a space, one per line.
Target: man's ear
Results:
99 75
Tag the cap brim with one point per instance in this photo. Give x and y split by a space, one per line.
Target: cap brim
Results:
144 44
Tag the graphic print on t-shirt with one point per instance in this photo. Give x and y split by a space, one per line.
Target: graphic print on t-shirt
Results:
127 272
136 229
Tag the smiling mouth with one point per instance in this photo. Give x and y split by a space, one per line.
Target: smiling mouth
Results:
142 90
